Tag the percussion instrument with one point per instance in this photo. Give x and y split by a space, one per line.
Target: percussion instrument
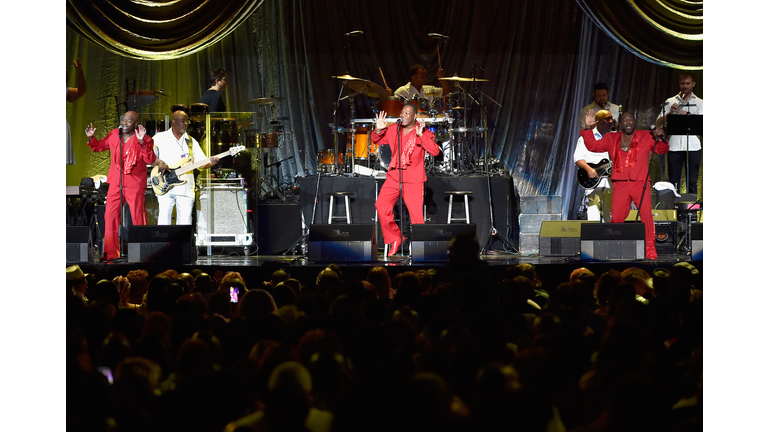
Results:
391 106
363 86
179 107
224 130
456 78
271 140
360 143
154 126
325 160
266 100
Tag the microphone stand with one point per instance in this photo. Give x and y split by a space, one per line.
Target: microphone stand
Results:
400 183
645 184
121 167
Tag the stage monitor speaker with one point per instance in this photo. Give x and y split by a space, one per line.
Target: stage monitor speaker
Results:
561 238
161 244
613 241
697 241
430 242
278 226
79 245
342 242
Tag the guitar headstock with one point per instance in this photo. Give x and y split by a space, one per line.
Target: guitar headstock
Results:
236 149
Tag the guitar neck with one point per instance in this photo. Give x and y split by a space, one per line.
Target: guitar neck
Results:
186 168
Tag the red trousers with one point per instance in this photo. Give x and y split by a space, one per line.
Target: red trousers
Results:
135 200
626 192
413 196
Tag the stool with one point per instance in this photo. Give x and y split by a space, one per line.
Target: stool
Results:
466 195
348 217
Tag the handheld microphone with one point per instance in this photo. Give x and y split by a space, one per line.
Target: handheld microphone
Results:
352 33
438 36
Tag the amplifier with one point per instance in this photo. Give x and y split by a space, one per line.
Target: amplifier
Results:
161 243
561 238
79 245
342 242
229 214
430 242
613 241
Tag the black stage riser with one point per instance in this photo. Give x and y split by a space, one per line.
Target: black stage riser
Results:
364 192
79 245
342 243
278 226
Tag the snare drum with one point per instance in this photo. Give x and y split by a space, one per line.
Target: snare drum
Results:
360 144
391 106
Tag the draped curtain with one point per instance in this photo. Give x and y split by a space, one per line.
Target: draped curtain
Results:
540 59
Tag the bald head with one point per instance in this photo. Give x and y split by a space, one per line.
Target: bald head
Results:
129 122
179 122
604 121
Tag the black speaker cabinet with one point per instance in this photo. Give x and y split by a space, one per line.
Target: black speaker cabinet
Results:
697 241
278 226
342 242
561 238
613 241
79 245
162 244
666 237
430 242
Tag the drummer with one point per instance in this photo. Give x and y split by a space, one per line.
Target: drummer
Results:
418 87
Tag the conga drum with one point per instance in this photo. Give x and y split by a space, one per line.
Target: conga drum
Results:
179 107
197 111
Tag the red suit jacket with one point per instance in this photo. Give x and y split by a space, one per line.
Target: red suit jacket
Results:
413 173
135 177
631 165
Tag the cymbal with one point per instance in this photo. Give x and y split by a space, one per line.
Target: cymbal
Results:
458 78
363 86
266 100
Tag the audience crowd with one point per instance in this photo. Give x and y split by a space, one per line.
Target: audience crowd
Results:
445 349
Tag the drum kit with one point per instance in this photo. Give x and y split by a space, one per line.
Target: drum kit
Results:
444 115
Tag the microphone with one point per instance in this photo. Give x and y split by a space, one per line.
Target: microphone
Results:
399 121
352 33
120 130
438 36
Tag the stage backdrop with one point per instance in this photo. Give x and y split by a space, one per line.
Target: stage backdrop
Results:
541 60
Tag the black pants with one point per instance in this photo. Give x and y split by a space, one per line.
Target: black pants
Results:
676 164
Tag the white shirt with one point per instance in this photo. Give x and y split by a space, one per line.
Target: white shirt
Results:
581 152
614 110
678 142
170 150
408 91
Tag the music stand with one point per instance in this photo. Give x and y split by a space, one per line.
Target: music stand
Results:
685 125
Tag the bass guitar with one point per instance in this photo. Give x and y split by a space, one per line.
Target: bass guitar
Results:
163 182
603 169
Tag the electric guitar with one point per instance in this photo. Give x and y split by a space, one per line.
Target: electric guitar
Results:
603 169
163 182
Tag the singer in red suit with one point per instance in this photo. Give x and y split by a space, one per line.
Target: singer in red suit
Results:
138 152
406 167
629 152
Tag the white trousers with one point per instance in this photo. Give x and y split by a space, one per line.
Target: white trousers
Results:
184 205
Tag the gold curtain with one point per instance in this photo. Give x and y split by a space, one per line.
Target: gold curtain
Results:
157 30
665 32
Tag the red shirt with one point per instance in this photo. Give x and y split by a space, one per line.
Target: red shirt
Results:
627 165
413 173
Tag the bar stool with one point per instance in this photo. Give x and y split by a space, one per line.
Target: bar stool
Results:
348 216
466 195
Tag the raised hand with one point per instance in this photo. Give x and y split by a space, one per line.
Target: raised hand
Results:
140 132
589 120
381 120
420 124
89 131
